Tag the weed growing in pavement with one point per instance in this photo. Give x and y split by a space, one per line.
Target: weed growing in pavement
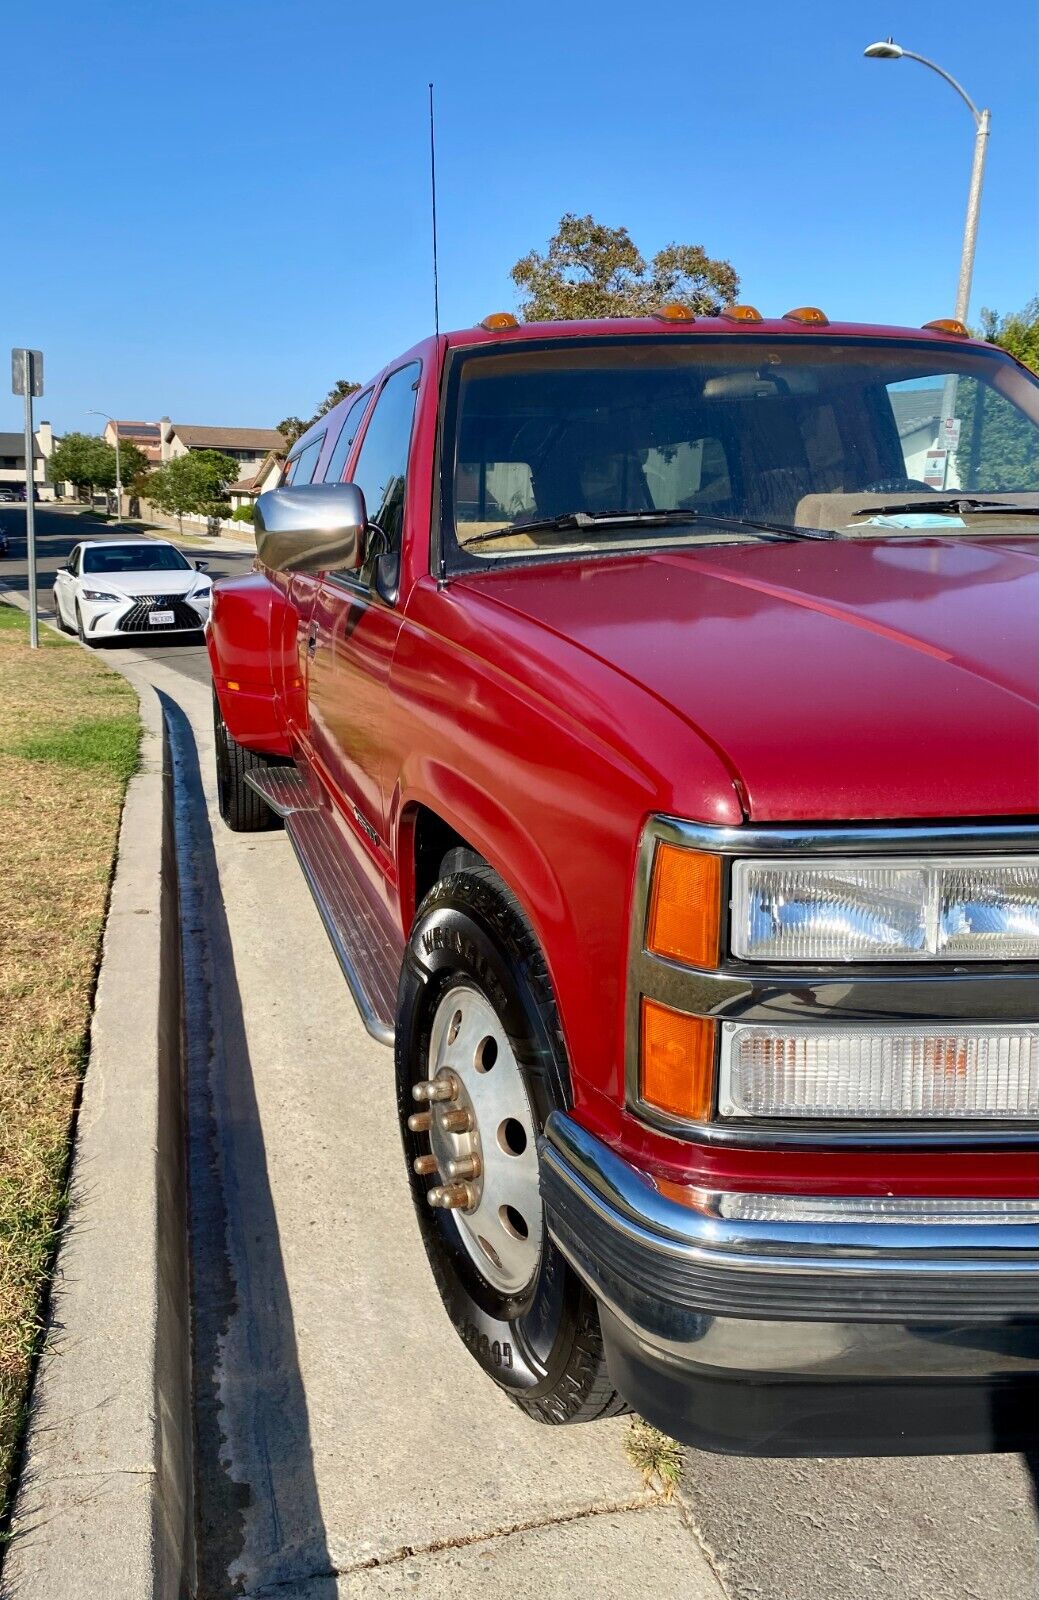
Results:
658 1458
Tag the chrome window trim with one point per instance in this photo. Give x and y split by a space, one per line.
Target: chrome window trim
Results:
896 992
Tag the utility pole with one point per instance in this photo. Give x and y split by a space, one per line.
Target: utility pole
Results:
118 474
27 380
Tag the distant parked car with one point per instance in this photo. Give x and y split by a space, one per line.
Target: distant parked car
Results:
7 494
111 588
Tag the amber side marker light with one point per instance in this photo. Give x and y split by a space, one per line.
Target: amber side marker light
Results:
676 1069
811 316
674 312
499 320
741 314
949 325
685 906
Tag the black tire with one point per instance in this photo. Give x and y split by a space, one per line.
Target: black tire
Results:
240 807
543 1346
63 626
91 644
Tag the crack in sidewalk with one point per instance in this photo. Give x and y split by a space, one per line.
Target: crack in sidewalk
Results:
642 1502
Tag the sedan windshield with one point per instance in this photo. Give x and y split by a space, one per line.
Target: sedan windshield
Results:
128 557
582 446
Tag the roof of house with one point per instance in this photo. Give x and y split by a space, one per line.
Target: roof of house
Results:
250 484
13 444
138 430
915 409
197 438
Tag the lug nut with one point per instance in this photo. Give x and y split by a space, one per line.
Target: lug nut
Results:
424 1165
444 1087
464 1167
457 1121
450 1196
420 1122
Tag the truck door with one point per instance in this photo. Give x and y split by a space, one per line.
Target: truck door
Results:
355 622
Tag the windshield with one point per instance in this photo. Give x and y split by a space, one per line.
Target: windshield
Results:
133 558
841 436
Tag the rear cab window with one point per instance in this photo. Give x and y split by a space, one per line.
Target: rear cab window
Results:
347 434
300 468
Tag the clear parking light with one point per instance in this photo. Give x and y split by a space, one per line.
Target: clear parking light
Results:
854 1073
980 908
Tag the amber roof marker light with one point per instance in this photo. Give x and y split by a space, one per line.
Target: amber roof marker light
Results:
948 325
740 314
810 316
498 321
674 312
888 50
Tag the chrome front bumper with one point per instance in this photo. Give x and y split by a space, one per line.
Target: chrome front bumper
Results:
803 1337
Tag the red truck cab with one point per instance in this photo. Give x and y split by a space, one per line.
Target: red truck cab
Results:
653 706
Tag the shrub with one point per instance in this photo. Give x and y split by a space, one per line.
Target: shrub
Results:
242 514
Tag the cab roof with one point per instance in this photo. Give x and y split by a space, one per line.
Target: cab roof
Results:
773 327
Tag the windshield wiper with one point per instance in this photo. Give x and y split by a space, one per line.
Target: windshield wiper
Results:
961 504
667 518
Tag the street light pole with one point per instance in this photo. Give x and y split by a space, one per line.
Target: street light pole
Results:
118 477
888 50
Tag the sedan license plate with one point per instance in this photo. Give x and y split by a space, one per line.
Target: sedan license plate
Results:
161 619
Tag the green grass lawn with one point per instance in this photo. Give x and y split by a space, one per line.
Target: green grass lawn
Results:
69 737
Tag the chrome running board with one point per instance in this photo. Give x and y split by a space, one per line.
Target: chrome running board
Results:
368 948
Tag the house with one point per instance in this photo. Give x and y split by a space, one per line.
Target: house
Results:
918 414
250 447
12 461
249 488
145 435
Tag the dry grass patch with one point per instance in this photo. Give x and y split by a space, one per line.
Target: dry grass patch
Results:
68 744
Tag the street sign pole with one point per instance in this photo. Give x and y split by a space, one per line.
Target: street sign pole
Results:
30 505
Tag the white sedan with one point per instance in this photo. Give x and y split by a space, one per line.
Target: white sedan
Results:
113 588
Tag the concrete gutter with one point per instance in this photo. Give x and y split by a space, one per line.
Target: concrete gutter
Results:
105 1503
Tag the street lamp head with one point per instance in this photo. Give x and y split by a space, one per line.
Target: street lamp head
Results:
884 50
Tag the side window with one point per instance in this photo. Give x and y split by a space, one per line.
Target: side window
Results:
74 563
348 433
690 474
301 468
381 470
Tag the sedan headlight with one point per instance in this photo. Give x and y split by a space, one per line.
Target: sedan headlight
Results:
201 591
983 908
101 594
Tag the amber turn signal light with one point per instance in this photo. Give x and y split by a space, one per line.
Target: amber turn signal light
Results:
949 325
499 320
741 314
810 315
685 906
676 1070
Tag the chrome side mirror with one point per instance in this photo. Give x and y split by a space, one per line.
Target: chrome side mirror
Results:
318 527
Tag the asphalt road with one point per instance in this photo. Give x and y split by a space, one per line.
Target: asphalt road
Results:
56 533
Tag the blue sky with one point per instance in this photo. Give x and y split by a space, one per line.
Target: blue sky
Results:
214 209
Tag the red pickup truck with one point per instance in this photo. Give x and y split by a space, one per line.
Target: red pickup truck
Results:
653 707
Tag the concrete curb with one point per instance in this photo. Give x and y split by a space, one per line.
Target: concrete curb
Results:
105 1504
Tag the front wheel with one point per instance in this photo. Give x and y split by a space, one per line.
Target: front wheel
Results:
480 1064
241 808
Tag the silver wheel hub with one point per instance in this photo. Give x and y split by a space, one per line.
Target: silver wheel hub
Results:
482 1141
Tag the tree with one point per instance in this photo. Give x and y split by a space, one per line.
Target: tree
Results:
194 484
84 460
1017 332
997 448
293 427
133 465
591 270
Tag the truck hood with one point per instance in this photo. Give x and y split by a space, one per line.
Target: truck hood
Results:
840 680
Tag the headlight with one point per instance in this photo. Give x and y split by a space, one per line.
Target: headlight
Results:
851 1072
101 594
983 908
201 591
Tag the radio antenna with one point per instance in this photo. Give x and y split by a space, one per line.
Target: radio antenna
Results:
433 196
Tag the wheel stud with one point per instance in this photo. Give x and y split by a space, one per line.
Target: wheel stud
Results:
423 1166
458 1121
420 1122
450 1196
443 1087
464 1167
